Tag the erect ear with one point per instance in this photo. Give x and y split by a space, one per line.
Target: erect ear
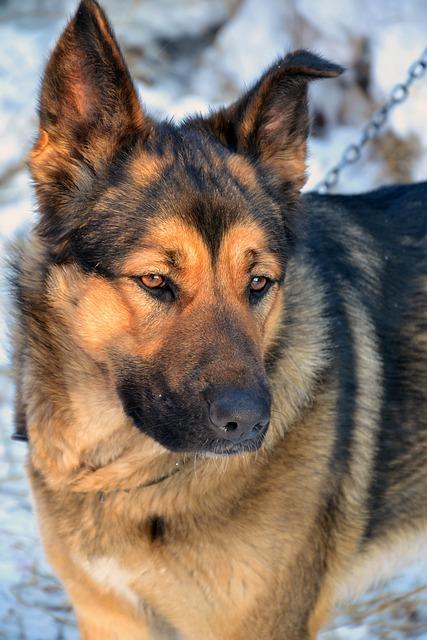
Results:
270 122
88 106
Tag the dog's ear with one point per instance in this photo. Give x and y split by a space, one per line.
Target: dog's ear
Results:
269 123
88 107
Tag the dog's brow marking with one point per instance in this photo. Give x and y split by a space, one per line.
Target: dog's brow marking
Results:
244 247
174 245
173 258
253 257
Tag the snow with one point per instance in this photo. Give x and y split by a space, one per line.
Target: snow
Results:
186 56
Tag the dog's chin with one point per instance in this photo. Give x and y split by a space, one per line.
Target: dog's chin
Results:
218 448
222 448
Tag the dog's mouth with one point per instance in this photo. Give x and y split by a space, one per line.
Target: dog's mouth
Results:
227 448
205 446
195 440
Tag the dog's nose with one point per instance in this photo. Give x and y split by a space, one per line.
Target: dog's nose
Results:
239 414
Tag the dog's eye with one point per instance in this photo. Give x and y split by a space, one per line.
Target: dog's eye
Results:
258 287
157 285
153 281
258 283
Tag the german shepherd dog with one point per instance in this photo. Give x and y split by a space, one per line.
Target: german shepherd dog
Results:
223 383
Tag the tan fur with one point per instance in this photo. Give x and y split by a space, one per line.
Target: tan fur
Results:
243 171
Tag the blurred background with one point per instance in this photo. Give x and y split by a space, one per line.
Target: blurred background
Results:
184 56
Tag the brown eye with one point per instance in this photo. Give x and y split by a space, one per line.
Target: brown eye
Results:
153 281
258 287
258 283
158 286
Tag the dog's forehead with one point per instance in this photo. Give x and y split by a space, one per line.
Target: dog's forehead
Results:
190 163
185 186
176 246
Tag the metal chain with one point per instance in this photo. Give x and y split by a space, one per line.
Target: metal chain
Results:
353 152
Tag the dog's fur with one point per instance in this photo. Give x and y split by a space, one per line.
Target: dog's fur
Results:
151 537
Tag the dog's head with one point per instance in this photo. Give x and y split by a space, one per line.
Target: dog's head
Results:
168 243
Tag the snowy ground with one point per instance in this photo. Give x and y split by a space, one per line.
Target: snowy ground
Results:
187 54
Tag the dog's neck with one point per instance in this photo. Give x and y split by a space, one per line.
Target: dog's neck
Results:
145 485
23 437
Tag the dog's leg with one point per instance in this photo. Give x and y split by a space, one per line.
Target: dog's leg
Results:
97 621
102 612
89 630
318 619
102 615
106 629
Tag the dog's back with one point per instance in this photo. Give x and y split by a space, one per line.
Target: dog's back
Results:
370 254
374 246
396 219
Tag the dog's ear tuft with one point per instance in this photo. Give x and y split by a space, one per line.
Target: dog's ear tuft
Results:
88 104
269 123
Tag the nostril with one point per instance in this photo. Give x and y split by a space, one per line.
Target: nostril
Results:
230 426
238 414
258 427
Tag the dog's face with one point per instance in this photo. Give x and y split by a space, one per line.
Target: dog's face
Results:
167 243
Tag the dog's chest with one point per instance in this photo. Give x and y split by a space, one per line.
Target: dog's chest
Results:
109 574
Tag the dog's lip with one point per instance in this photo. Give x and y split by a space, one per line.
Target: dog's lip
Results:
227 448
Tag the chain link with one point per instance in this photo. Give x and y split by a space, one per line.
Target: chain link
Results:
353 152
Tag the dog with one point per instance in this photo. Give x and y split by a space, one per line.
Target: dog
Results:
222 381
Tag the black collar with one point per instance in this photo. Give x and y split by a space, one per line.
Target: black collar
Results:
19 436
